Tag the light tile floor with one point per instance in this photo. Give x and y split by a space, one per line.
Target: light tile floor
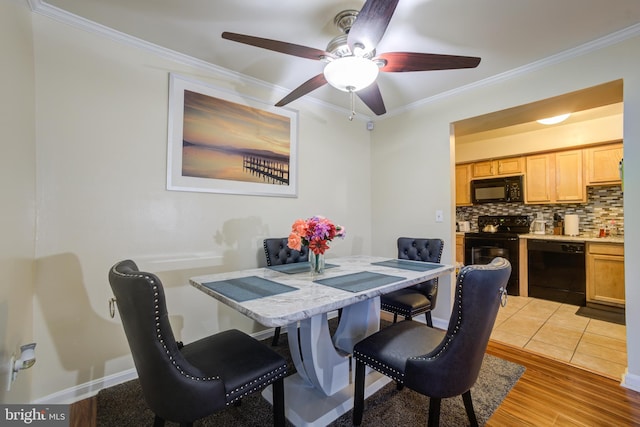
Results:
554 330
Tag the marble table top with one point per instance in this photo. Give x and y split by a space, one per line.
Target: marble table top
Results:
309 298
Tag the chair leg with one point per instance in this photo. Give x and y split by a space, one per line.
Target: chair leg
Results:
434 412
358 393
276 337
278 403
468 405
429 320
158 422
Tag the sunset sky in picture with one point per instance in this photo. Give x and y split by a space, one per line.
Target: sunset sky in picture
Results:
216 122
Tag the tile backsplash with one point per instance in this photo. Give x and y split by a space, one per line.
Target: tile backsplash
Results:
604 209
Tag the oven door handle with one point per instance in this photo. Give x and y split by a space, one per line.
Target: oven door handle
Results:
495 239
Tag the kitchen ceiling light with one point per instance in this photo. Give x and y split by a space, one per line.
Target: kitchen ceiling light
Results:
351 73
554 120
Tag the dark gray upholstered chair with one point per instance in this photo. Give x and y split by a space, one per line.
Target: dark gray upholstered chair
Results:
277 252
421 298
185 383
433 362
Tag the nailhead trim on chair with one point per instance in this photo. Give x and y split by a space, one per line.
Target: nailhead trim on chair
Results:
280 372
255 384
407 313
157 319
399 376
375 364
401 312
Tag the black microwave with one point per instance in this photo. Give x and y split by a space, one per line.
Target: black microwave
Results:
508 189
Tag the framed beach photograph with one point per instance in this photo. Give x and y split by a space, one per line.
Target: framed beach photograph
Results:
221 142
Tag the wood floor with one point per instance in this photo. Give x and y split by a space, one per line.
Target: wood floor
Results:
552 393
549 393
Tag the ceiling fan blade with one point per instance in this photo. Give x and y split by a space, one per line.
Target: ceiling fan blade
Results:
278 46
372 97
312 84
370 24
398 62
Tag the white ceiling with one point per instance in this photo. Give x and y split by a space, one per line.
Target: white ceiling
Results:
509 36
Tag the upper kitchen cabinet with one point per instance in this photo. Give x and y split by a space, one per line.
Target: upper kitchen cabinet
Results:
569 177
602 164
555 178
538 180
499 167
463 186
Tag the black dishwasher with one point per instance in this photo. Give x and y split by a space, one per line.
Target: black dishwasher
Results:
556 271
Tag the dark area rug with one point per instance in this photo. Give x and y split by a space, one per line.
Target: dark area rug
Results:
123 405
604 315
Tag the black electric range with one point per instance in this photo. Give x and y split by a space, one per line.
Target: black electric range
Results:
483 246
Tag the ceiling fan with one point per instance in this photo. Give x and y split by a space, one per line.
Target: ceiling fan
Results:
352 62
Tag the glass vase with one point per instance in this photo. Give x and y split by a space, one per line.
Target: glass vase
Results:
317 263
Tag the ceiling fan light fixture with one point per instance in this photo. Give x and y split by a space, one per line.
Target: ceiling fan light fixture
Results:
351 73
554 120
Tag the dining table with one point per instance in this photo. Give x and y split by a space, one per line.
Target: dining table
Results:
293 296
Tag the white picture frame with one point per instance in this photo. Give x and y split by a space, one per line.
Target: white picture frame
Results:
222 142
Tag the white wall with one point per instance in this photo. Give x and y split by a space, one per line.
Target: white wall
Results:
411 164
17 189
101 161
100 154
410 169
603 129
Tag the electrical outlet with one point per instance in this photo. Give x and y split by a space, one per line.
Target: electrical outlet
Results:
439 216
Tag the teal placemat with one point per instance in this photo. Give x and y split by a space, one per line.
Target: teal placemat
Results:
361 281
296 267
408 265
248 288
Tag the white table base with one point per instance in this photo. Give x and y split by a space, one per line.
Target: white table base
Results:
305 406
321 390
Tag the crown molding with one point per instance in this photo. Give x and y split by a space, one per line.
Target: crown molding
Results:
42 8
611 39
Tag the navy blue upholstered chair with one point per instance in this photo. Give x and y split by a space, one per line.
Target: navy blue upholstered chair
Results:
421 298
183 383
277 252
436 363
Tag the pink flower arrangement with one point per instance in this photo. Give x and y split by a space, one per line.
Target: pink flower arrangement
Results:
314 232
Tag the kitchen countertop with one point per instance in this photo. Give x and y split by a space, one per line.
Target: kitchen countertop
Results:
579 238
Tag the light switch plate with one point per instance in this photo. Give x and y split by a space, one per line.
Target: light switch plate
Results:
439 216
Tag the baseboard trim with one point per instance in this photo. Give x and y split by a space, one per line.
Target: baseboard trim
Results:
91 388
631 381
86 390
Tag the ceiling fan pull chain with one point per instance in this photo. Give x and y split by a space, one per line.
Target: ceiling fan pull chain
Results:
353 102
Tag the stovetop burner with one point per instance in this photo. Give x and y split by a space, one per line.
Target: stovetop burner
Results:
506 224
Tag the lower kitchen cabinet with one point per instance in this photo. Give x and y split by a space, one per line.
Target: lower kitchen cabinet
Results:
460 248
605 274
